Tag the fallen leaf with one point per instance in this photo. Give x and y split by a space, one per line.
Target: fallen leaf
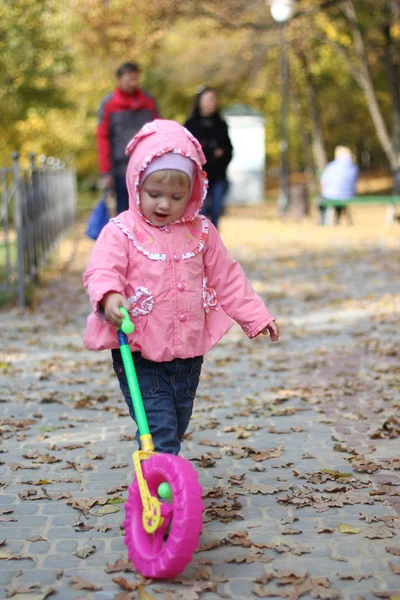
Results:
286 577
93 456
118 566
343 528
20 588
264 579
259 455
8 555
47 459
29 596
290 531
205 460
323 530
336 474
130 586
85 552
107 510
262 592
393 550
289 520
378 533
394 568
77 583
143 595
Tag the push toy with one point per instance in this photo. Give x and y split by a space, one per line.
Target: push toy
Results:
163 512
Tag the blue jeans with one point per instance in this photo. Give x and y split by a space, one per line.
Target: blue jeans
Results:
168 391
214 203
121 193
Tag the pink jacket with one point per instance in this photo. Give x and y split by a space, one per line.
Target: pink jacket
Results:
182 283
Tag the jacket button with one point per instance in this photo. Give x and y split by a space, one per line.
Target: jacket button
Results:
176 257
180 286
182 317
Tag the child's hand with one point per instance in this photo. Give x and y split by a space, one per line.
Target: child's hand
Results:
111 304
273 330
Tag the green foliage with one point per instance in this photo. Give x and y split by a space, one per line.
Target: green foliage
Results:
33 61
57 61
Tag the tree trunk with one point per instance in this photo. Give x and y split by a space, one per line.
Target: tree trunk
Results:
393 75
395 4
363 77
318 145
312 181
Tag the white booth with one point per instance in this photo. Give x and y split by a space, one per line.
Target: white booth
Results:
246 171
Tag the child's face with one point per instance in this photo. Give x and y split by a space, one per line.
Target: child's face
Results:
163 202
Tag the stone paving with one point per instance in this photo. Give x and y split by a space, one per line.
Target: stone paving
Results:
280 436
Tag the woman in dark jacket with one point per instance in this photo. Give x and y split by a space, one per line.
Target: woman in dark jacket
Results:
207 125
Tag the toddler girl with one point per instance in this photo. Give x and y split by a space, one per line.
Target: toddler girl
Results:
166 264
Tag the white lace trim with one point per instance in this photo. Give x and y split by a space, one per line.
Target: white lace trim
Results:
129 233
159 256
142 302
202 240
209 297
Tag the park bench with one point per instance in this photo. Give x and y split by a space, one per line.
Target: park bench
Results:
389 201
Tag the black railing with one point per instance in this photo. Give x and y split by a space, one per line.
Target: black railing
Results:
38 205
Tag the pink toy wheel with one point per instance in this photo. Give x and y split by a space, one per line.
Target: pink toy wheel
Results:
158 555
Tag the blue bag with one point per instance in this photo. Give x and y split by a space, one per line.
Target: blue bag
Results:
98 219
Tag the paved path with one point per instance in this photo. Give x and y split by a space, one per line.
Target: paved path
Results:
293 442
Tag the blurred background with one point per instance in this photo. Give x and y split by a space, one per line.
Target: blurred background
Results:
58 59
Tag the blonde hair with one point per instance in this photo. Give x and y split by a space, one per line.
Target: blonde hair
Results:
342 151
170 176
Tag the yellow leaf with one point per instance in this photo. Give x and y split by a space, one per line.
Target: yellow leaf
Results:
343 528
143 595
107 510
251 401
335 474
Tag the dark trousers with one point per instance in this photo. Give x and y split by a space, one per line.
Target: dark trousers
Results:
168 391
214 203
339 211
121 193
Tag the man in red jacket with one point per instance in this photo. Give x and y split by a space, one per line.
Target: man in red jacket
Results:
122 113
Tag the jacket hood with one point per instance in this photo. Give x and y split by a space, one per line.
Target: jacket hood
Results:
155 139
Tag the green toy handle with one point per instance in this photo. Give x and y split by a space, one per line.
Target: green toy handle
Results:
126 328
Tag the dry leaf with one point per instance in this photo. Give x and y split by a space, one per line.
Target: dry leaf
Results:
107 510
394 568
289 520
46 459
119 565
262 592
20 588
205 460
143 595
264 579
259 455
8 555
77 583
85 552
323 530
28 596
129 586
343 528
290 531
378 533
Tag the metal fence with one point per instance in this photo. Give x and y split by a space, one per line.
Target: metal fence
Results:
38 205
